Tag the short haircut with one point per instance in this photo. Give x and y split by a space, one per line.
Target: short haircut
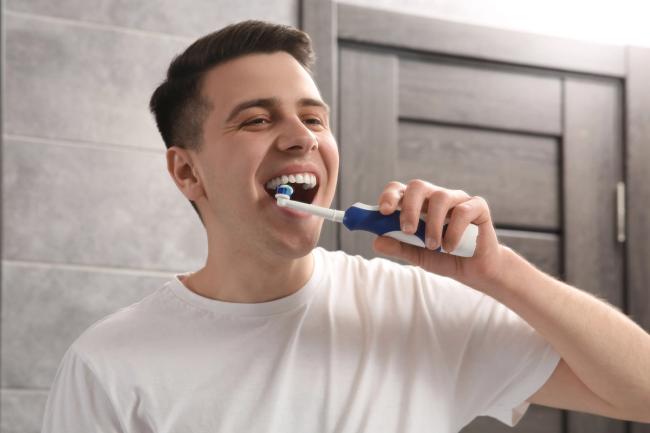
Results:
177 104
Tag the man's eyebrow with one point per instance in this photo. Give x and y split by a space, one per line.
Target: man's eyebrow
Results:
267 103
310 102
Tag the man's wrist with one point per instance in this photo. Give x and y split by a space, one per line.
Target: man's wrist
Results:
507 273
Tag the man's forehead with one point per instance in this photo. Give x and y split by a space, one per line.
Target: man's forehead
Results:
258 69
276 77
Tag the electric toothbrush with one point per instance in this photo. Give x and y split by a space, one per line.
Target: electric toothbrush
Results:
361 216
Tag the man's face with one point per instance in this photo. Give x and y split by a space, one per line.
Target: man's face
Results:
268 120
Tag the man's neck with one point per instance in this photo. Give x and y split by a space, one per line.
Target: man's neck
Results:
238 276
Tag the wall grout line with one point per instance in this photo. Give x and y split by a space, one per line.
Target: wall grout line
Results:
3 55
96 25
25 390
91 268
78 143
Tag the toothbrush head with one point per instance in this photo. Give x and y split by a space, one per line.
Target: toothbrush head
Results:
283 193
285 190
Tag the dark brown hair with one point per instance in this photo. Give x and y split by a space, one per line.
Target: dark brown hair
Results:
177 103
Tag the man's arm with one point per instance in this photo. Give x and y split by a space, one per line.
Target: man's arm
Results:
605 367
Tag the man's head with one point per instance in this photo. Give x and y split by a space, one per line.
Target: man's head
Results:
238 108
177 104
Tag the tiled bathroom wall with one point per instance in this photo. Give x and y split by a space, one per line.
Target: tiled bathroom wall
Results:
91 221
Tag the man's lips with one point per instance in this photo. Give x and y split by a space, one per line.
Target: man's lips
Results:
294 213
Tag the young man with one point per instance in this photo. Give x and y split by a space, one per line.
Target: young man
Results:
275 335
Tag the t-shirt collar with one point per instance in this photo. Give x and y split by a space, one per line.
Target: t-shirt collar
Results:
278 306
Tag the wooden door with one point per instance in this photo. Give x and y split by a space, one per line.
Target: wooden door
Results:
539 135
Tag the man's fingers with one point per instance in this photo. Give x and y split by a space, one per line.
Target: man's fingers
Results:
415 194
389 200
394 248
474 210
439 263
441 203
461 217
442 206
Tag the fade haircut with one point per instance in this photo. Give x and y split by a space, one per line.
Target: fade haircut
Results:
178 105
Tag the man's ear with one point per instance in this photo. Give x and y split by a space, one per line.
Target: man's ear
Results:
182 171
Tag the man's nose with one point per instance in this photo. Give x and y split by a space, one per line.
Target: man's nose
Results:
297 137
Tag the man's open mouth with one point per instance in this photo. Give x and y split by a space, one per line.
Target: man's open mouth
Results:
305 186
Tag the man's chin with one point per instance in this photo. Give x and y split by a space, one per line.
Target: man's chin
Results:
296 248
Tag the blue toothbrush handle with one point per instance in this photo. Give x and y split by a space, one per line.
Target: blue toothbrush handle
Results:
361 216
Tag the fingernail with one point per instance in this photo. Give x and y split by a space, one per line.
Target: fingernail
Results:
431 243
407 228
384 206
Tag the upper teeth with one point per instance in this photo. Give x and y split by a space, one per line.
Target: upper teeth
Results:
307 179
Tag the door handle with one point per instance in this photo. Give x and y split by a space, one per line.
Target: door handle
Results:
620 212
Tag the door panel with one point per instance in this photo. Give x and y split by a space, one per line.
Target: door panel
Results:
486 163
592 166
544 250
479 96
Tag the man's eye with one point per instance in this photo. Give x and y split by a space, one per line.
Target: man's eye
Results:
256 121
313 121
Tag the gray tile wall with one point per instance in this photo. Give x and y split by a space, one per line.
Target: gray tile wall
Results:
91 221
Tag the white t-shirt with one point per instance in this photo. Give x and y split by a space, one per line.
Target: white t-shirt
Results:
364 346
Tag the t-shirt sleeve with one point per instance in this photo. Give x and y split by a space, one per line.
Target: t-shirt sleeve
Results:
77 401
497 359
